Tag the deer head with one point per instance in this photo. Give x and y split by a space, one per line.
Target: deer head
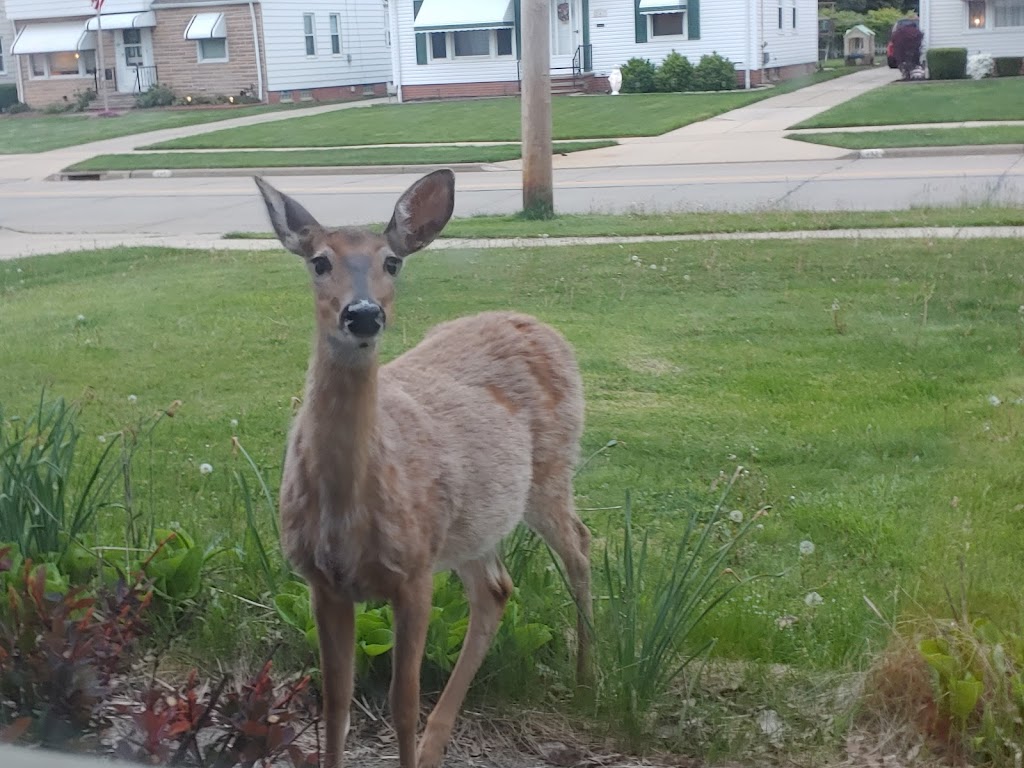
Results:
353 269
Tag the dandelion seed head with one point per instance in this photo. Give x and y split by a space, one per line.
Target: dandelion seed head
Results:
205 469
806 547
102 438
994 401
234 423
813 599
132 399
736 516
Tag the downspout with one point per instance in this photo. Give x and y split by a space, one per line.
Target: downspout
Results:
17 62
749 53
256 48
396 50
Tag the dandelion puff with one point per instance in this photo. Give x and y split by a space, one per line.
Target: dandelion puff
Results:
736 516
813 599
654 266
132 399
102 438
234 423
205 469
994 401
634 257
759 526
787 621
806 547
80 318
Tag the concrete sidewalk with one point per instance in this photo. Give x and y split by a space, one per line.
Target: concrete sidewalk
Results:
40 165
14 245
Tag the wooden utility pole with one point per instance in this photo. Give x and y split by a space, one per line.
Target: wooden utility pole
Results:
538 192
101 74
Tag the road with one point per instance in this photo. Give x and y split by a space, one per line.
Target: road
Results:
194 206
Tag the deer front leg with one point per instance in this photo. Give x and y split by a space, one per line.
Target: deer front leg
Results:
412 615
335 623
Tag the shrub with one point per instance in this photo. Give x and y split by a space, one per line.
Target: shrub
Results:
906 48
8 97
157 96
980 66
714 73
947 63
675 74
17 108
638 76
1009 66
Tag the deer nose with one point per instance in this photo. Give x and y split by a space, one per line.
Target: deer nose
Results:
363 318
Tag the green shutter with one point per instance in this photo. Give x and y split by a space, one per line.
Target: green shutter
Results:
693 19
517 9
421 37
588 64
641 23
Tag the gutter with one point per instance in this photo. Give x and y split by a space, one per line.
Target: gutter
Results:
396 49
17 64
256 47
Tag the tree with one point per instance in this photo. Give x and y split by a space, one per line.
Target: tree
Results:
906 48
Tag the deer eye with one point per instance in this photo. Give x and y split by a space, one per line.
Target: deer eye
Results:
322 265
392 264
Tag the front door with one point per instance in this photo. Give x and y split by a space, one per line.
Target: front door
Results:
565 34
133 51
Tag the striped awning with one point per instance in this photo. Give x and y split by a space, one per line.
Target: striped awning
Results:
205 26
662 6
122 21
54 38
462 15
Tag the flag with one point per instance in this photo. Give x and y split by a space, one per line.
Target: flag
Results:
97 5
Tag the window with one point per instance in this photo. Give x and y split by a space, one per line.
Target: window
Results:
309 29
335 33
475 43
792 12
666 24
1008 13
780 14
976 14
213 49
63 64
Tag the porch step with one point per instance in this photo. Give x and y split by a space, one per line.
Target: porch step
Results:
565 84
114 101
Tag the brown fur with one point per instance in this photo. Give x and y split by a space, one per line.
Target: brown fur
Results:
395 472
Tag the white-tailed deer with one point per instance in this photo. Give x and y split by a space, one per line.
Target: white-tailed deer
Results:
395 472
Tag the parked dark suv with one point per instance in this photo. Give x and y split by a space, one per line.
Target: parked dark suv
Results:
889 53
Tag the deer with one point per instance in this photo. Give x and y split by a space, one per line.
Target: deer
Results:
395 472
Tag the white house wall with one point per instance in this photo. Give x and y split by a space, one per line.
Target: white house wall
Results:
945 26
55 9
365 56
789 45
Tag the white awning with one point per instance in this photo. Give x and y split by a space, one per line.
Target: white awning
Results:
205 26
460 15
54 38
123 21
662 6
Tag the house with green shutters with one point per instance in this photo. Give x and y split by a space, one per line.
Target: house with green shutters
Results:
463 48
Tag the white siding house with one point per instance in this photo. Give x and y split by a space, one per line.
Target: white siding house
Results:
273 50
470 47
980 26
6 41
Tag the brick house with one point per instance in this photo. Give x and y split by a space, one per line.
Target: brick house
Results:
447 48
273 50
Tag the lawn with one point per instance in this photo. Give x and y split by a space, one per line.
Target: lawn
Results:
864 386
574 117
929 102
40 133
319 157
624 225
919 137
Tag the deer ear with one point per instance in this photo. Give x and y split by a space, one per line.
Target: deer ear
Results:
292 223
421 213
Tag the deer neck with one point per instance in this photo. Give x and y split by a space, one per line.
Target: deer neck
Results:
342 402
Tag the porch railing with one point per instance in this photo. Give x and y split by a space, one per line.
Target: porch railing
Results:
145 78
581 62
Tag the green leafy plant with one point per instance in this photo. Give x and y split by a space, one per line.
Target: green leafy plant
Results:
638 76
1009 66
714 73
158 96
654 605
675 74
947 63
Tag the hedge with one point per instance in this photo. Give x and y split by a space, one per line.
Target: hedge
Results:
1008 66
8 96
947 63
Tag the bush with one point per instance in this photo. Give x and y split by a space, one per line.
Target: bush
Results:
906 48
157 96
675 74
8 97
638 76
714 73
1009 66
947 63
17 108
980 66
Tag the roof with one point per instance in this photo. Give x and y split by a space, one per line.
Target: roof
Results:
860 29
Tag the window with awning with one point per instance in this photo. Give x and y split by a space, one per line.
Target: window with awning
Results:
206 26
54 38
463 15
122 21
661 6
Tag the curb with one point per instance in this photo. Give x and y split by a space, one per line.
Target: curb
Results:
957 151
186 173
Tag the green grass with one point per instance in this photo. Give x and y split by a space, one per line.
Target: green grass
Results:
920 137
859 425
318 157
624 225
576 117
939 102
31 133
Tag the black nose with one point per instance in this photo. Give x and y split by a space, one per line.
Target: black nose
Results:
363 318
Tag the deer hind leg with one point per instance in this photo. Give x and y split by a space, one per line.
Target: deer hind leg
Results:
488 588
335 621
551 513
412 616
